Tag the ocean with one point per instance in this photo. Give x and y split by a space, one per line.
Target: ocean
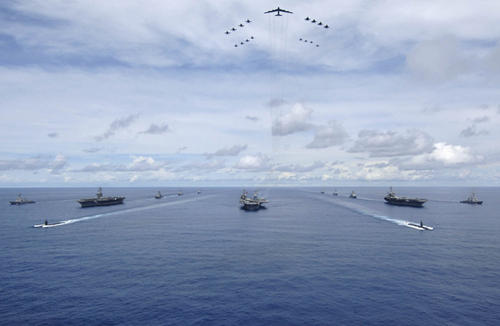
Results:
197 259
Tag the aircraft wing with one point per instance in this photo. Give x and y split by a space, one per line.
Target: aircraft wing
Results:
286 11
274 10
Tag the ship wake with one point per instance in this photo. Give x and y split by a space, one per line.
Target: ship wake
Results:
129 210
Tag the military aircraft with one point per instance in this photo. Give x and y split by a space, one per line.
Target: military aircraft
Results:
313 21
227 32
248 21
236 45
247 40
317 45
326 26
300 39
307 18
278 10
320 23
251 37
233 29
241 25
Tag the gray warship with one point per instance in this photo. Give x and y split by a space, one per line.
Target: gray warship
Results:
353 195
100 200
253 203
158 195
472 199
21 201
392 199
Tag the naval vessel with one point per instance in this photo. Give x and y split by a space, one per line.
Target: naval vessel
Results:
100 200
392 199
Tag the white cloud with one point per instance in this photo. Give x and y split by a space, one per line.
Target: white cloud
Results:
256 162
293 121
330 135
228 151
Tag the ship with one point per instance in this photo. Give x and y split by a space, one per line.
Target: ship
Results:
335 192
472 199
158 195
252 203
100 200
353 195
21 201
180 193
392 199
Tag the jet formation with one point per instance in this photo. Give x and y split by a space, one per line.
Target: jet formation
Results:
278 12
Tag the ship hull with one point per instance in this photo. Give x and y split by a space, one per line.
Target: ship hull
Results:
21 202
405 202
480 202
107 202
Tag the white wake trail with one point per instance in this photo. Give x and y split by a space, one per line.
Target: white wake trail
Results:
129 210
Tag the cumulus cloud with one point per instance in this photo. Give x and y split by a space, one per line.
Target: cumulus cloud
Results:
276 102
52 135
330 135
117 125
472 131
300 168
228 151
138 164
256 162
481 119
156 129
54 165
295 120
443 155
390 143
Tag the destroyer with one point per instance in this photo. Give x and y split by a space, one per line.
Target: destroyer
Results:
472 199
99 200
392 199
252 203
158 195
353 195
21 201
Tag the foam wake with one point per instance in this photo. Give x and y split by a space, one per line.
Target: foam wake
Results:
123 211
366 212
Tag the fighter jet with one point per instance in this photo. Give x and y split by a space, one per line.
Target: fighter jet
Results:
248 21
242 43
247 40
227 32
320 23
307 18
305 41
313 21
317 45
241 25
278 10
300 39
236 45
326 26
233 29
311 42
251 37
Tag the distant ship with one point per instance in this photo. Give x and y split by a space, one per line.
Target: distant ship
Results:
472 199
198 192
392 199
335 192
21 201
252 203
353 195
180 193
158 195
99 200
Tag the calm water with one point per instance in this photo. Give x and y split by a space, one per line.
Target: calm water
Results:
197 259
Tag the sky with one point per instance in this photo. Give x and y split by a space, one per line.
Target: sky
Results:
155 93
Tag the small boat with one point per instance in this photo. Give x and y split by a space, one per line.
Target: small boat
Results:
420 226
353 195
472 199
158 195
21 201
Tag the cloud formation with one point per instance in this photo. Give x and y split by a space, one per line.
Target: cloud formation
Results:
156 129
117 125
258 162
295 120
390 143
228 151
330 135
472 131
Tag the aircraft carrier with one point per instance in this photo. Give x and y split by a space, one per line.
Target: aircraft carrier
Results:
100 200
392 199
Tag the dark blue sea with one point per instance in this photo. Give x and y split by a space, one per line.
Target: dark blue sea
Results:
197 259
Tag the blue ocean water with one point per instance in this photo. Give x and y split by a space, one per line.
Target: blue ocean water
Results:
197 259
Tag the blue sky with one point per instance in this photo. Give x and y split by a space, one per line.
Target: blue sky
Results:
154 93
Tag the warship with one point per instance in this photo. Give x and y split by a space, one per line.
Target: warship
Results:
392 199
335 193
472 199
99 200
21 201
252 203
158 195
353 195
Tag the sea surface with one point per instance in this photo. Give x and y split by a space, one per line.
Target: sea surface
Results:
197 259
